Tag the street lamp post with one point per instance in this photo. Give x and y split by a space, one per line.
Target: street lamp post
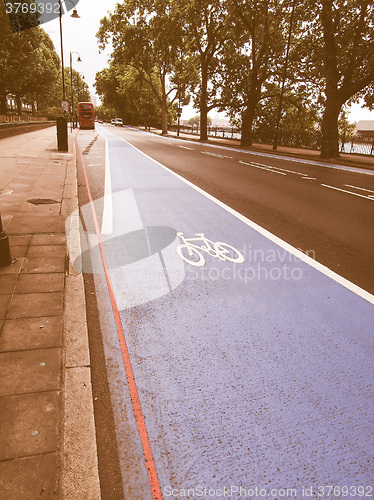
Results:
62 123
71 81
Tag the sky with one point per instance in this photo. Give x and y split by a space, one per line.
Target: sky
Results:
79 35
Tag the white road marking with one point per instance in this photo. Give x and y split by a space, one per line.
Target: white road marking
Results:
107 222
185 147
285 170
355 170
362 189
309 178
270 236
215 154
262 168
349 192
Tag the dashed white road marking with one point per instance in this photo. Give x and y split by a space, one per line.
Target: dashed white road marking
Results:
215 154
185 147
285 170
362 189
255 165
270 236
348 192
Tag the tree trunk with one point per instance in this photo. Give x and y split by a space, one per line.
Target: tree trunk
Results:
164 114
248 117
3 108
203 103
19 105
330 134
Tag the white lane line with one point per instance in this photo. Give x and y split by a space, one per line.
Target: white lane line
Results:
309 178
270 236
107 222
215 154
255 165
349 192
356 170
185 147
362 189
285 170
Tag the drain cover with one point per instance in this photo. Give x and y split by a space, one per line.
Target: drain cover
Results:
42 201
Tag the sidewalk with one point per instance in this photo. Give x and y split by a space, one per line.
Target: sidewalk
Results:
47 431
352 160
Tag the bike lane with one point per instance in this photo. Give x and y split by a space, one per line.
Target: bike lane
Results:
252 374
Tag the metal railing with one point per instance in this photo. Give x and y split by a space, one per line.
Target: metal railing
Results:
357 145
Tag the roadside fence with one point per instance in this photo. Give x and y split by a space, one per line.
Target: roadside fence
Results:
23 118
357 145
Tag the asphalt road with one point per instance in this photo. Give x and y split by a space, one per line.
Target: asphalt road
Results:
326 211
233 361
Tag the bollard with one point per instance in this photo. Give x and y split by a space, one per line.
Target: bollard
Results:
62 133
5 257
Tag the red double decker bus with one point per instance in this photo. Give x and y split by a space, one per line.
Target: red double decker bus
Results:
86 115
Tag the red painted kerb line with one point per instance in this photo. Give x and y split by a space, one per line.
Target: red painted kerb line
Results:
149 461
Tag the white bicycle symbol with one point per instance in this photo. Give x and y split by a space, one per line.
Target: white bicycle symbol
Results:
191 253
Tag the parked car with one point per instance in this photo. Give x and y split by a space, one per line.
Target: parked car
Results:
118 122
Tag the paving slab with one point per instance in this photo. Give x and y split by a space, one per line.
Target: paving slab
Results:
29 424
29 371
49 239
7 284
46 251
31 224
14 268
39 283
39 265
20 239
18 251
33 305
31 333
4 304
33 397
29 478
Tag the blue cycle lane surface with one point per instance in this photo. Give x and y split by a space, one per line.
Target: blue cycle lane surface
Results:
252 372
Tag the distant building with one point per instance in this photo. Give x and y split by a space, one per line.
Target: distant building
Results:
365 128
93 99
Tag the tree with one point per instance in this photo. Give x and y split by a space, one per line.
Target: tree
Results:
122 89
147 35
339 43
28 63
206 32
300 119
253 58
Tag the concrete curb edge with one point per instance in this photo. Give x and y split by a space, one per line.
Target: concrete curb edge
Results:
79 461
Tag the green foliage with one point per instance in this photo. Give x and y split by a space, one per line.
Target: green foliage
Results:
233 55
336 54
123 90
147 36
29 65
22 15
